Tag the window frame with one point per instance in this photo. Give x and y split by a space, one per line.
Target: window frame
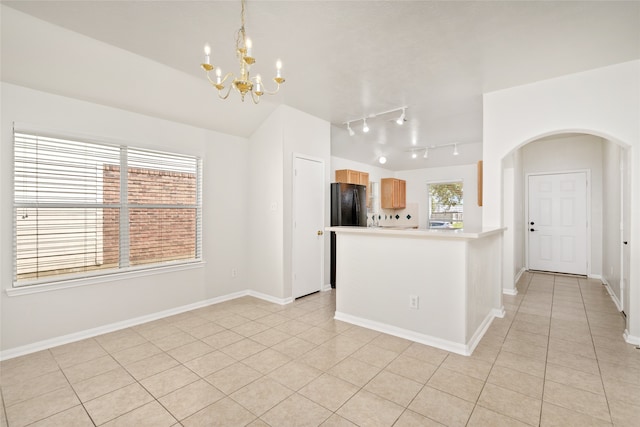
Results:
123 269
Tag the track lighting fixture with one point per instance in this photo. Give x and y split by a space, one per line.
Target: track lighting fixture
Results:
416 150
365 126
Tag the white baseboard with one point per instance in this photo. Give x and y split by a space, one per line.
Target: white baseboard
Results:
454 347
514 290
612 294
631 339
280 301
595 276
112 327
482 329
326 287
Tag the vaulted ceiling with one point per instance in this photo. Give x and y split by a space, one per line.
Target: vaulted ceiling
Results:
346 60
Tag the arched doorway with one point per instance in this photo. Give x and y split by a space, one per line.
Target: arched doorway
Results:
606 163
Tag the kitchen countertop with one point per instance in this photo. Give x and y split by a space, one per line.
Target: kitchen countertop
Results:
420 232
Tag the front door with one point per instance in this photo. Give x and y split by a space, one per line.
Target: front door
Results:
557 222
308 226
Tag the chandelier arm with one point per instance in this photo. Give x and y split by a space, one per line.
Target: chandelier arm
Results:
271 92
226 95
224 79
255 98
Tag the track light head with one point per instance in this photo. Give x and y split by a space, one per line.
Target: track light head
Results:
455 149
365 127
351 132
426 153
400 120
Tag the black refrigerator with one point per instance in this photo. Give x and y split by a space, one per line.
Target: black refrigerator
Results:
348 208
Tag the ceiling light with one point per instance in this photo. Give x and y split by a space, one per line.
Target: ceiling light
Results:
351 132
382 160
400 120
414 155
426 153
455 149
244 83
365 127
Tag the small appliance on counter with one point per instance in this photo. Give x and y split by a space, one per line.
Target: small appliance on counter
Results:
348 208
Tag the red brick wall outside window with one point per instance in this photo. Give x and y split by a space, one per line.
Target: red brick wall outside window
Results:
156 234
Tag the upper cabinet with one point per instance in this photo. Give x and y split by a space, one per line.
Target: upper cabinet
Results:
393 193
355 177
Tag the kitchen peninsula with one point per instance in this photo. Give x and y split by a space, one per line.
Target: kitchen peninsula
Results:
437 287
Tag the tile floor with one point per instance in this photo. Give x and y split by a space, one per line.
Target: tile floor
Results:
557 358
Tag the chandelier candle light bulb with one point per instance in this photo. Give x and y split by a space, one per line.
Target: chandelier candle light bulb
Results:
207 54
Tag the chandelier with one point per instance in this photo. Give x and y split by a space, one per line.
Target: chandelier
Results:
243 83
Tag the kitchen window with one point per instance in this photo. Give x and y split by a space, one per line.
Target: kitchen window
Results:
446 205
77 215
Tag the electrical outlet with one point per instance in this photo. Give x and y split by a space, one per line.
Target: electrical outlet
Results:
413 301
234 272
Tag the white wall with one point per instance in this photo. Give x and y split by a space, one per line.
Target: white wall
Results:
266 204
310 136
604 102
572 153
417 180
611 214
27 319
285 133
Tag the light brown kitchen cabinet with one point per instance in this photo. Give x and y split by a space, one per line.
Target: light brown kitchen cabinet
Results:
355 177
393 193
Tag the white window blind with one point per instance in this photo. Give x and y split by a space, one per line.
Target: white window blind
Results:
76 214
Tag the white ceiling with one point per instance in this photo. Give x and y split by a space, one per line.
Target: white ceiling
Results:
345 60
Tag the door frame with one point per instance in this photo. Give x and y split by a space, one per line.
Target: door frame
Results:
588 212
625 225
294 206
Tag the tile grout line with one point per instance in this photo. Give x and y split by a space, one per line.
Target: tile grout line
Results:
604 390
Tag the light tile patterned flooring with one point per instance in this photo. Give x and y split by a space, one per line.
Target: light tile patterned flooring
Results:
557 358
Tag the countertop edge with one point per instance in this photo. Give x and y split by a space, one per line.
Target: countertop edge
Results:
419 233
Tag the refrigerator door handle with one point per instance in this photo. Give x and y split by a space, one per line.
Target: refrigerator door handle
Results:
355 197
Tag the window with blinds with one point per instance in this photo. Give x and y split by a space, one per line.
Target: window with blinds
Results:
76 214
446 205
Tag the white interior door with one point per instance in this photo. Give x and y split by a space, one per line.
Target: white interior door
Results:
308 226
557 222
625 232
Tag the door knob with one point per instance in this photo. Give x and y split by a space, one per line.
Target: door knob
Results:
320 233
625 242
531 229
531 223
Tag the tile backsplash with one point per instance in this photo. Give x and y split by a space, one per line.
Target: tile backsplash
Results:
407 217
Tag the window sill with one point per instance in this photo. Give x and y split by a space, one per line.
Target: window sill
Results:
95 280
